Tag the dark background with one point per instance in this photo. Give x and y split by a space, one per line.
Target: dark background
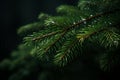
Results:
15 13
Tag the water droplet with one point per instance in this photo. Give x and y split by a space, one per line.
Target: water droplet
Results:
110 23
85 22
52 22
116 43
83 19
91 15
74 23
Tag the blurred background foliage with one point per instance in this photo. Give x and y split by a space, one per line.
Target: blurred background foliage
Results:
15 13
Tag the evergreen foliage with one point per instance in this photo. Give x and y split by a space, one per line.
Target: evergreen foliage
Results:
89 31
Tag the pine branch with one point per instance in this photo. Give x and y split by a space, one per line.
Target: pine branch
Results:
106 36
93 17
108 61
55 42
68 51
62 58
30 28
109 38
77 24
69 10
90 31
63 32
46 35
49 45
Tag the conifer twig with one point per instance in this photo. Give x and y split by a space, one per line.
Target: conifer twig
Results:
93 17
76 24
46 35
